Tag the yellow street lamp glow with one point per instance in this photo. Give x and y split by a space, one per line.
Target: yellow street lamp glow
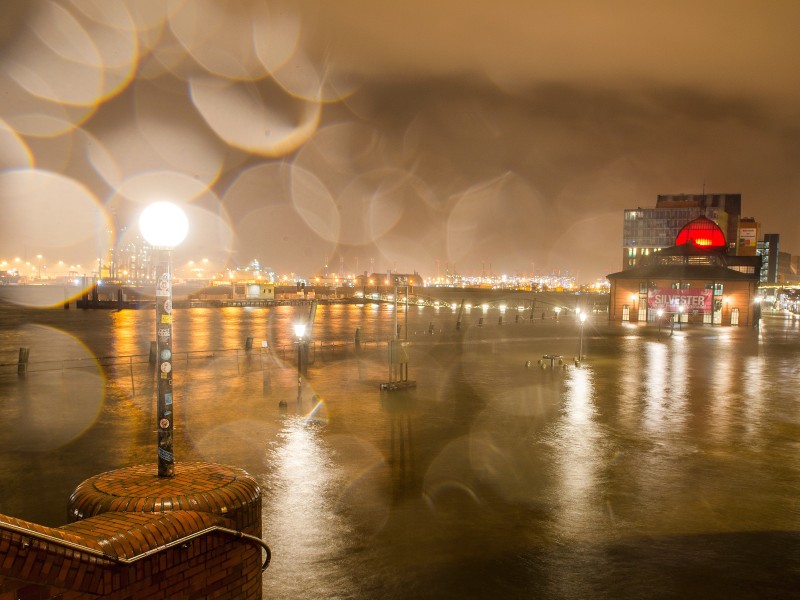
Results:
163 224
300 329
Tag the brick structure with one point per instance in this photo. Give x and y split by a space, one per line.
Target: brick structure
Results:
135 535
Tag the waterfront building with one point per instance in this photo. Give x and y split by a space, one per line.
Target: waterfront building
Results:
696 280
648 230
239 290
769 250
388 279
747 237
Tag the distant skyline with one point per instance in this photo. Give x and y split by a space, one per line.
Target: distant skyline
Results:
411 134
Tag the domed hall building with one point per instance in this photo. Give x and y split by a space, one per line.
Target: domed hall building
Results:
695 281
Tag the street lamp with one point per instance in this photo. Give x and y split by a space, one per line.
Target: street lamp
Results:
299 331
580 348
725 303
660 313
164 225
557 310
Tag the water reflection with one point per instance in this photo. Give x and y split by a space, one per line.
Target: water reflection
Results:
299 515
315 504
578 456
59 399
489 479
400 454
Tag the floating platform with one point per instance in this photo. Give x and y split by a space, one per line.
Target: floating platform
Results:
392 386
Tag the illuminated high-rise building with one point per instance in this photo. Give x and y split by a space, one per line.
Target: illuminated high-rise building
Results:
648 230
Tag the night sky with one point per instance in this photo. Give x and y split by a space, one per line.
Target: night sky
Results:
443 136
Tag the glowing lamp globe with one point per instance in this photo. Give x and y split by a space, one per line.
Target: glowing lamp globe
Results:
163 224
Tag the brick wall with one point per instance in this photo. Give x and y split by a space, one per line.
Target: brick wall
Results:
127 555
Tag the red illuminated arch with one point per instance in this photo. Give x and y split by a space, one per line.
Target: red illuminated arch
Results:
701 233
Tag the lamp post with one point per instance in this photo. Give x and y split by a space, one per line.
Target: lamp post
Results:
725 302
660 314
557 310
299 331
164 225
580 348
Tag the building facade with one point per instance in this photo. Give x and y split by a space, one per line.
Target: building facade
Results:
695 280
647 231
769 249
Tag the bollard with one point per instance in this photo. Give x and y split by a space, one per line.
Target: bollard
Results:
516 318
430 328
248 344
22 365
480 322
500 321
153 353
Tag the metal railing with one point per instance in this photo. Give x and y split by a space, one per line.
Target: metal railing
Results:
183 541
285 351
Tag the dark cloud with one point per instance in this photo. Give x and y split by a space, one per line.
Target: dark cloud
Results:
411 135
584 154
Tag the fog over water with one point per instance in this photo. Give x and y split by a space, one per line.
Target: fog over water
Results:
665 465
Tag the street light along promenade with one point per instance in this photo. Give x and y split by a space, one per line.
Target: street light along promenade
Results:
164 225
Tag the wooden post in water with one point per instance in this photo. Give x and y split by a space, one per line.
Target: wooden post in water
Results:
22 364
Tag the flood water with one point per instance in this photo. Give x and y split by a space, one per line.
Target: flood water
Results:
666 465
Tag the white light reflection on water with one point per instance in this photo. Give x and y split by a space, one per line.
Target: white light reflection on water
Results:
578 457
305 529
629 381
723 403
655 383
754 386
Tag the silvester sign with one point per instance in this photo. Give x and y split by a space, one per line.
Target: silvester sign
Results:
670 299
